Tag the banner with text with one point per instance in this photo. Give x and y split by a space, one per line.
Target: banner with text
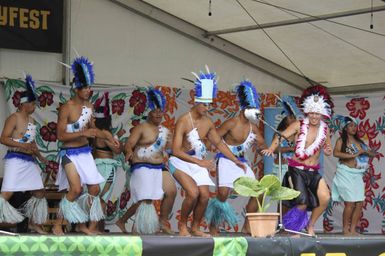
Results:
31 25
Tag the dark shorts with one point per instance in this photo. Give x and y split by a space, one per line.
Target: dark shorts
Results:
304 181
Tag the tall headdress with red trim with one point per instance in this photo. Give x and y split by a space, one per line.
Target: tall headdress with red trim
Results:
316 99
102 106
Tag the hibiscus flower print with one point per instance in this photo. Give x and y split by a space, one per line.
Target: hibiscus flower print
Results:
138 101
117 106
48 132
111 207
358 107
16 98
45 99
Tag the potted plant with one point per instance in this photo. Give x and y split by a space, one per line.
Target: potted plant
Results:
262 223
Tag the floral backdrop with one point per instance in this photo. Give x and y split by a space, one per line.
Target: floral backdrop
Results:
128 107
369 111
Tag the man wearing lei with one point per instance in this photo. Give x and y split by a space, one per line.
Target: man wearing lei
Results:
312 135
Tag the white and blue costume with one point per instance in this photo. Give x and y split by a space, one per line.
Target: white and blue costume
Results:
205 90
217 211
21 173
199 174
146 178
86 207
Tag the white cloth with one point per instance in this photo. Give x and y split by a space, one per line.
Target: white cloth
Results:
146 184
21 175
228 172
85 167
199 174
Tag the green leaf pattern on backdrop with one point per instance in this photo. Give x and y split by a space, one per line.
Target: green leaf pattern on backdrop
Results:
71 245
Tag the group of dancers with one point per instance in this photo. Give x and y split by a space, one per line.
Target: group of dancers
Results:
160 158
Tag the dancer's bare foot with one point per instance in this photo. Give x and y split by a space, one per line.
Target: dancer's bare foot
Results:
310 230
83 229
165 228
183 231
214 231
245 230
197 232
37 228
95 231
121 226
57 230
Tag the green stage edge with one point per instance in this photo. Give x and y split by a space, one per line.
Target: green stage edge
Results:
71 245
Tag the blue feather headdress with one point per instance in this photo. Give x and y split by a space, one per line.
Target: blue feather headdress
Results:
205 86
290 107
247 95
29 94
343 121
83 72
156 99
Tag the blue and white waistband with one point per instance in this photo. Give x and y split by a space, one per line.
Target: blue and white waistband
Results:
240 158
73 151
19 155
147 165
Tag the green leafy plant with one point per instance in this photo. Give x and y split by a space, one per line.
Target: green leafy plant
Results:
268 186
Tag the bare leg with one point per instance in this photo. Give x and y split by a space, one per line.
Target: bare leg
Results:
6 195
93 190
222 195
199 211
347 217
189 201
121 223
169 189
57 228
74 191
252 206
356 218
37 227
323 197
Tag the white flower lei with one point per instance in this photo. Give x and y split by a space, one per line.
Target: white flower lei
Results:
300 150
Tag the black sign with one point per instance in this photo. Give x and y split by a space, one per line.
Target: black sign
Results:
31 25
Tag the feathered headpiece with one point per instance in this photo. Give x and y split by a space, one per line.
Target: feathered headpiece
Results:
83 72
205 86
247 95
156 99
290 106
343 121
29 94
102 106
316 99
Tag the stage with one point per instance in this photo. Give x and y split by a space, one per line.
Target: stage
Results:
116 244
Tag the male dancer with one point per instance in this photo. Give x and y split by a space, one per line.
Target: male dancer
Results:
312 136
145 148
21 173
77 166
188 163
239 134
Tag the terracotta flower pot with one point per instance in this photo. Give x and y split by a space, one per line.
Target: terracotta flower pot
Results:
262 224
